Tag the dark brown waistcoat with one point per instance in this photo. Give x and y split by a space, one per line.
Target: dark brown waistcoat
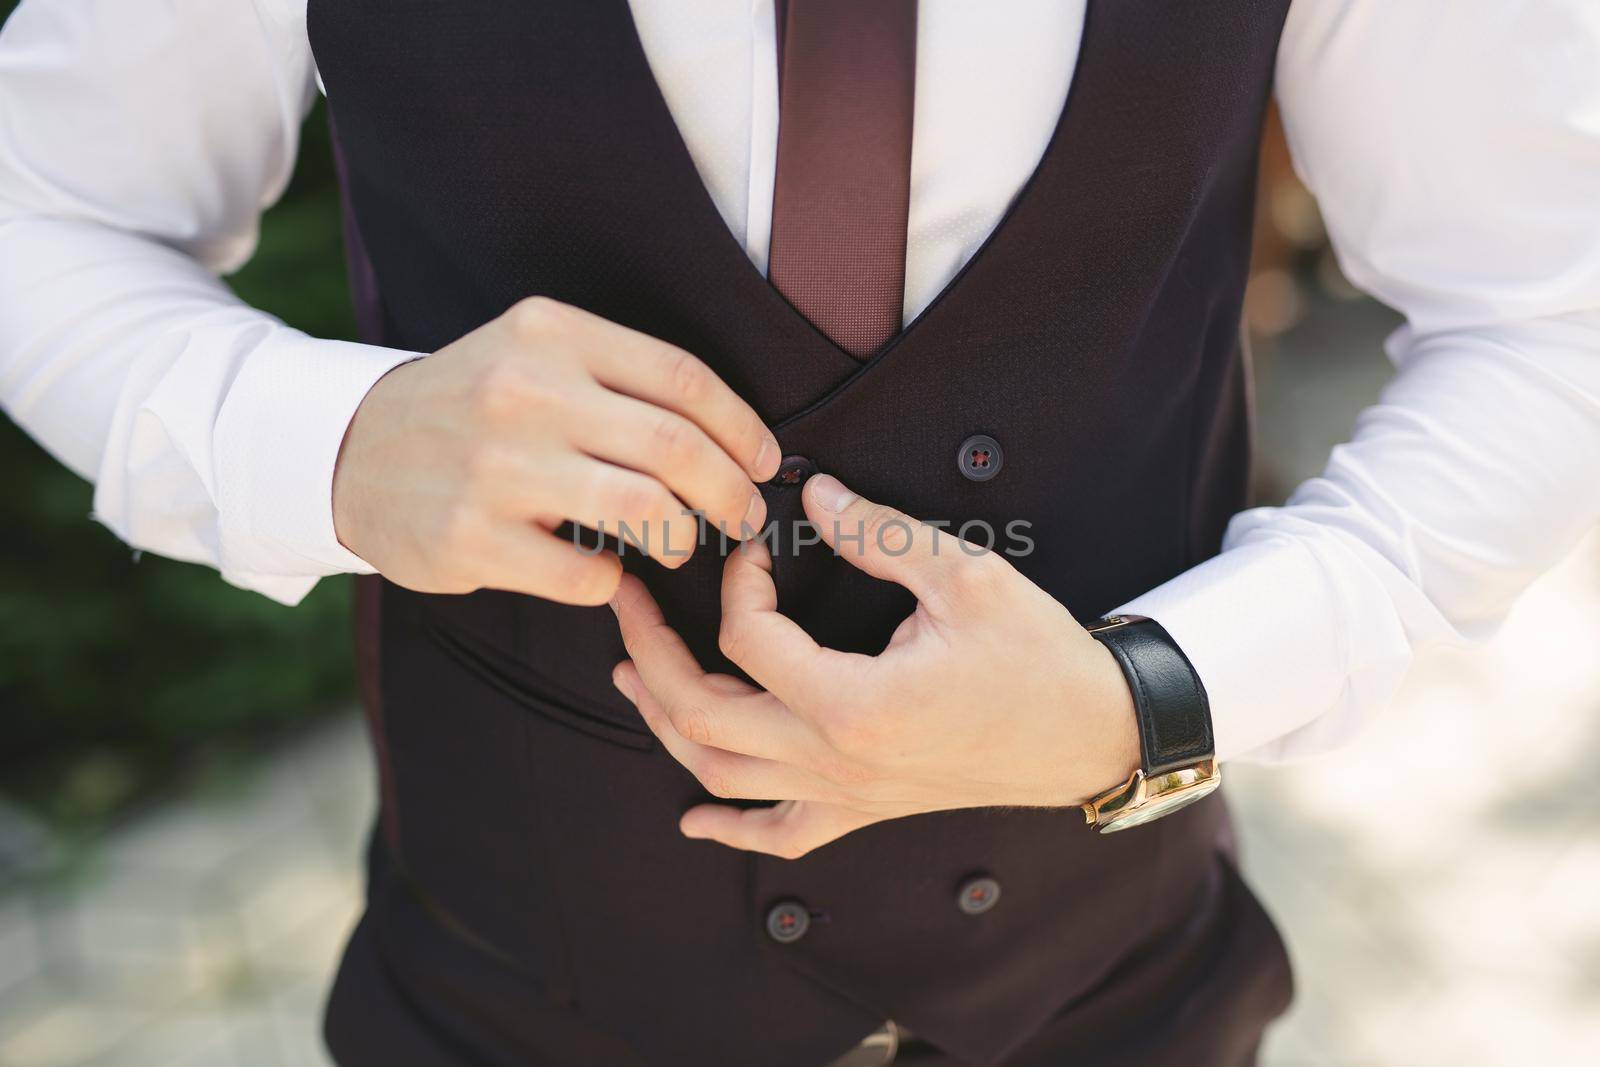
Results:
531 895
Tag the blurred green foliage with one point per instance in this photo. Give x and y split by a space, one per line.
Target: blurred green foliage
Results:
117 672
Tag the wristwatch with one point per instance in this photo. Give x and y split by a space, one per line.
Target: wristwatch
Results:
1178 761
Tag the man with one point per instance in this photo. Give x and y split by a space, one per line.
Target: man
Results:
925 279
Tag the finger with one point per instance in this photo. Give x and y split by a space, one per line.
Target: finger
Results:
674 450
725 713
729 775
660 655
665 375
886 543
770 647
789 830
523 558
635 508
707 709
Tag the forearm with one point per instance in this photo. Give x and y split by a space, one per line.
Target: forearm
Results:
1478 469
210 429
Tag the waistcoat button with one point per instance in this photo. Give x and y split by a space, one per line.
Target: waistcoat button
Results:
788 921
978 895
980 457
793 471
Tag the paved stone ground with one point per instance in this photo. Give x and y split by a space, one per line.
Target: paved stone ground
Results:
1438 882
202 935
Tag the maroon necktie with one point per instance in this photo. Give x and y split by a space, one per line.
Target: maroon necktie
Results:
847 71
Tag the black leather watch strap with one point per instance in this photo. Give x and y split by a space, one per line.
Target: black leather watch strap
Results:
1168 698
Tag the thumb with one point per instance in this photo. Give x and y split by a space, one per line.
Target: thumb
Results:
885 543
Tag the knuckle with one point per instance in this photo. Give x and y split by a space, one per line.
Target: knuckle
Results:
643 498
687 377
715 779
693 722
732 637
590 579
533 317
675 441
887 530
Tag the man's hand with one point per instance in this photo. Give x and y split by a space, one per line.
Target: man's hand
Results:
457 468
990 693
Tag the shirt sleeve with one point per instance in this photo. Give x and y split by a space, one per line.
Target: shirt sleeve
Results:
139 142
1455 152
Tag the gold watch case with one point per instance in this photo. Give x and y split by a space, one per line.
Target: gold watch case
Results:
1145 798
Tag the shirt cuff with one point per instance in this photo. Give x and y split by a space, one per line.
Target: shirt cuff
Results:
1264 625
277 442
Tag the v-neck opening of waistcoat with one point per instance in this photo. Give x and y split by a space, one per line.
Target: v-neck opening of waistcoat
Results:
726 244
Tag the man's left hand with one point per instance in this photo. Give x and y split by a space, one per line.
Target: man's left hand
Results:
989 693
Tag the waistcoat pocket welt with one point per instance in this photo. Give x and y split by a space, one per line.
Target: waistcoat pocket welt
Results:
528 689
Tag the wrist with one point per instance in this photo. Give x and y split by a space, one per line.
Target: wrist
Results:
277 440
1089 738
1177 753
1116 726
349 488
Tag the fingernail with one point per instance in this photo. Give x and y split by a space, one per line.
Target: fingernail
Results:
752 514
830 492
768 451
618 680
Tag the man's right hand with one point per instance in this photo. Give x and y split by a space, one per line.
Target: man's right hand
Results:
457 469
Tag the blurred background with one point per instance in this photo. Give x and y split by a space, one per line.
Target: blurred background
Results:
184 782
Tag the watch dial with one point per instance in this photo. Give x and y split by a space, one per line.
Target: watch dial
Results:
1154 809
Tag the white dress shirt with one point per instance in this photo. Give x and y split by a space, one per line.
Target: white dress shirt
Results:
1454 149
